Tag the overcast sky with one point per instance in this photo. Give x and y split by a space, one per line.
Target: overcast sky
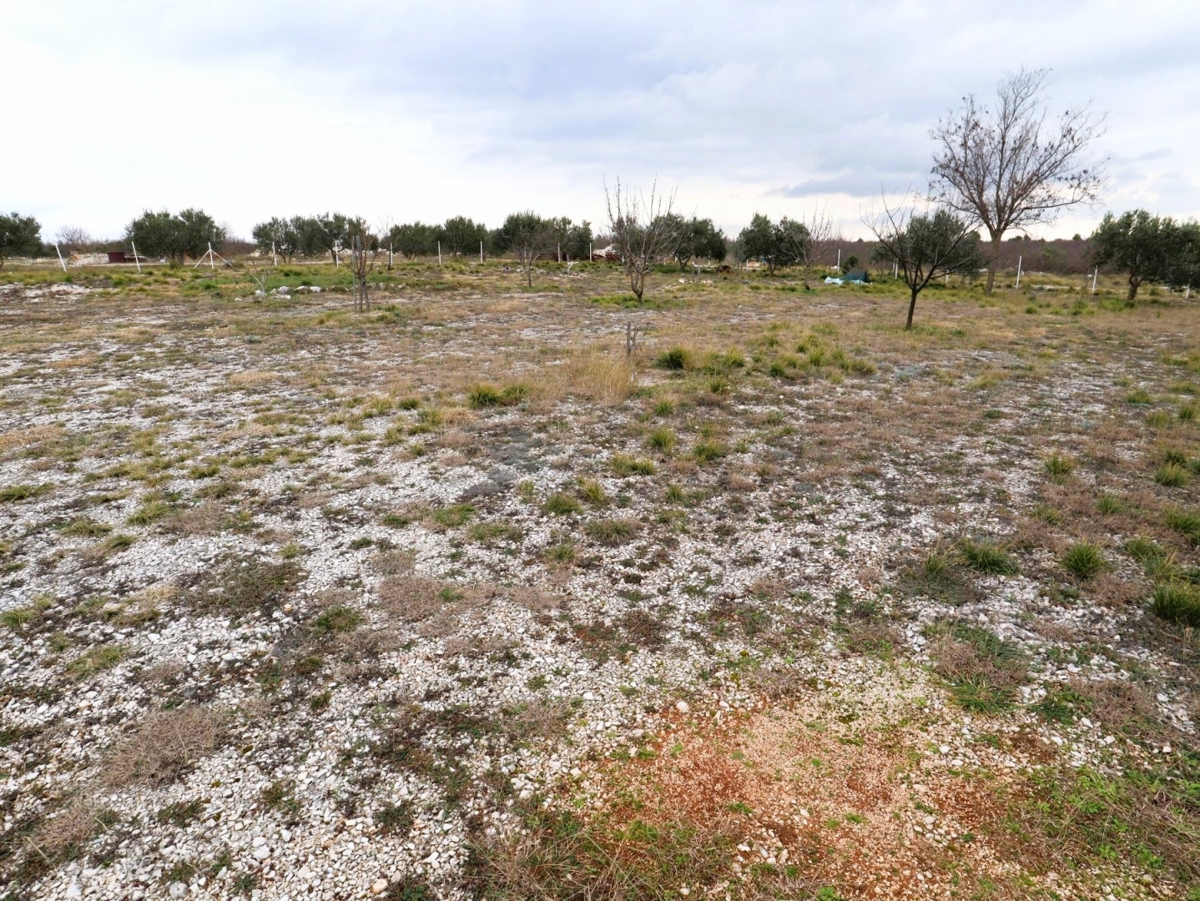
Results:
427 110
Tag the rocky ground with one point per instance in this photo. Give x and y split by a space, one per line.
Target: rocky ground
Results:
451 600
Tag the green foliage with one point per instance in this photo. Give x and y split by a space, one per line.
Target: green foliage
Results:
698 239
488 396
1171 475
186 234
625 465
281 236
663 440
20 236
1186 523
707 451
927 247
1147 248
776 245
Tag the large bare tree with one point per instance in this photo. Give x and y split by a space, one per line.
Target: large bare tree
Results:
1010 168
644 231
811 242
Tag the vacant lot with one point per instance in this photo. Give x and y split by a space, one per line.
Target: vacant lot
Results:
455 599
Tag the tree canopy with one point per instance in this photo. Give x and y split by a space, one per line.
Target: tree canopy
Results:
528 237
1145 247
698 239
188 233
281 236
776 244
926 247
20 236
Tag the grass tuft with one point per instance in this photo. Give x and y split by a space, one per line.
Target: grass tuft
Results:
1084 560
988 557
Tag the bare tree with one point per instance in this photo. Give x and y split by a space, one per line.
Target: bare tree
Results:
811 242
73 238
1009 168
925 246
364 251
643 233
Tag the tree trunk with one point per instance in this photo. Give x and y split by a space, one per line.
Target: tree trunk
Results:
1134 284
912 306
637 284
995 255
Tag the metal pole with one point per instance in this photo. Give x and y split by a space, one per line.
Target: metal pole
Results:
439 253
212 260
135 257
839 259
274 256
1018 285
60 259
896 269
1094 277
481 251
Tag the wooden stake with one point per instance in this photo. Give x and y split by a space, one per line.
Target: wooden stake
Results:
1018 285
135 257
60 259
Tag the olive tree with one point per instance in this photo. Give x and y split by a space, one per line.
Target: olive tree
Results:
20 236
698 239
776 244
278 236
644 231
188 233
1145 247
926 246
1009 168
326 233
462 235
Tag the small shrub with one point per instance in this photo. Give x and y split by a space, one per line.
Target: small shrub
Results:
1084 560
676 359
988 557
1177 602
1058 466
560 504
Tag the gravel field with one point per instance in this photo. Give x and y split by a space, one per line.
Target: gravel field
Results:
453 600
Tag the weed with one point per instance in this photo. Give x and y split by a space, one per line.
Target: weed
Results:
1058 466
1108 504
625 465
1171 475
453 516
1084 560
1139 397
22 492
1177 602
987 557
1185 523
560 504
708 451
593 492
663 440
612 532
564 553
337 619
280 796
96 660
243 585
676 359
164 747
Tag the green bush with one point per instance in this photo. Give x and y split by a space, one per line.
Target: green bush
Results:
676 359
